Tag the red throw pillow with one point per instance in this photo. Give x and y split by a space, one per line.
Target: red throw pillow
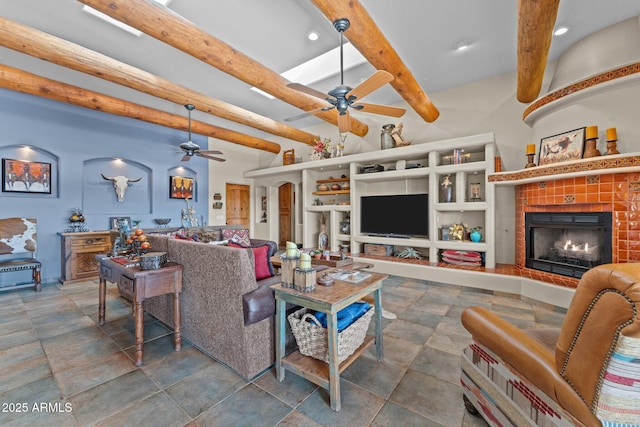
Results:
261 256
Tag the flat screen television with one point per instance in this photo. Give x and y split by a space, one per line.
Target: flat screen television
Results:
400 215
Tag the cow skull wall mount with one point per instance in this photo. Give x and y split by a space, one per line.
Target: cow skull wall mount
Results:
120 183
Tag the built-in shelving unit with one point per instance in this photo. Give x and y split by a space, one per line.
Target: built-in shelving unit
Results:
417 168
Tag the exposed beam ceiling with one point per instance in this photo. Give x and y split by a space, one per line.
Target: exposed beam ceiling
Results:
165 25
422 33
365 35
22 81
536 19
64 53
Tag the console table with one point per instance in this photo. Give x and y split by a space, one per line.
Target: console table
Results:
330 300
138 285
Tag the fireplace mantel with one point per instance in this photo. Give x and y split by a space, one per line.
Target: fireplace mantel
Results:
618 163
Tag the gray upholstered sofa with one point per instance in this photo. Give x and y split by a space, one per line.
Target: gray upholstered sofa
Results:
225 312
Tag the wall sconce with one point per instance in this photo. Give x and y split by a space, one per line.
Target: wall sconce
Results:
217 205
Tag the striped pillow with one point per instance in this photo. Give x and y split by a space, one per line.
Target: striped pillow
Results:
620 393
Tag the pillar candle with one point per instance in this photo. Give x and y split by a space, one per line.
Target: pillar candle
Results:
292 250
592 132
531 148
305 261
612 134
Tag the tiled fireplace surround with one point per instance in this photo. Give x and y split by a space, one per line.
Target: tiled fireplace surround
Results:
618 193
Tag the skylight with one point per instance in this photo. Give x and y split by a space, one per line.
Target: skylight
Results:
117 23
321 67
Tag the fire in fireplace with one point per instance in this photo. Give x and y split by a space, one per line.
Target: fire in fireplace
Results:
567 243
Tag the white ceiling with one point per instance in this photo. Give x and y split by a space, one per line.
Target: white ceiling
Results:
423 32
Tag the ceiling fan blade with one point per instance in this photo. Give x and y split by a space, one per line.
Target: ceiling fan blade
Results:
209 152
217 159
309 113
344 122
384 110
375 81
309 91
186 158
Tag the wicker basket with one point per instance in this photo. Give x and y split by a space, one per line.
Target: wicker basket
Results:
313 341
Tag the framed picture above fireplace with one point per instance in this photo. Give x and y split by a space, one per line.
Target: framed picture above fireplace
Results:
562 147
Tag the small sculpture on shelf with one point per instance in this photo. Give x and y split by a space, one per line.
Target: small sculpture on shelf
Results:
189 218
591 141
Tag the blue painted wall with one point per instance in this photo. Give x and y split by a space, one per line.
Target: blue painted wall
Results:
80 144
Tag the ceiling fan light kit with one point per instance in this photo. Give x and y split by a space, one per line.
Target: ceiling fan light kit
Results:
190 148
343 97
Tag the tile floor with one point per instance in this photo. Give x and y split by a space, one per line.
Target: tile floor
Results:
59 368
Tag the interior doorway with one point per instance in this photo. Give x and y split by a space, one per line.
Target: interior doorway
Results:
286 197
238 204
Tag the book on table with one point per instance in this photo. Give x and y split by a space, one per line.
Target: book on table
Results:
351 276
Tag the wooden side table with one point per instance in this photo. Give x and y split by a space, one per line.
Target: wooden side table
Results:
330 300
139 285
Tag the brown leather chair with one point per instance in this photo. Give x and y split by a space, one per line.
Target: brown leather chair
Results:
563 376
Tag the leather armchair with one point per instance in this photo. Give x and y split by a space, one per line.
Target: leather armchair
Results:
515 376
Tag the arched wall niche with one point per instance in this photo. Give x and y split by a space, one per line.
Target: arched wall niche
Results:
31 153
185 172
99 196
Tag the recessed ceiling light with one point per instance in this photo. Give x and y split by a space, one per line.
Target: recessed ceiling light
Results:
560 31
462 45
313 36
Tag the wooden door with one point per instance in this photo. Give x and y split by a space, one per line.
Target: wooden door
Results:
238 204
285 192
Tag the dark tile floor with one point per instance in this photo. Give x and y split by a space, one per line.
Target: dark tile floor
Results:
59 368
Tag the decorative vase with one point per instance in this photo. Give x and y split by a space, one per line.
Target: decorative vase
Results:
446 189
323 238
386 140
475 236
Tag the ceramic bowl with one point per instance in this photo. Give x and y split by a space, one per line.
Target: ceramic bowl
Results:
323 187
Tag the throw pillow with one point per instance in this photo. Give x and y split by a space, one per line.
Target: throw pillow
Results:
264 268
240 236
208 236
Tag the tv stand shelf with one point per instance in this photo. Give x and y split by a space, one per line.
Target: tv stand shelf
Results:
469 181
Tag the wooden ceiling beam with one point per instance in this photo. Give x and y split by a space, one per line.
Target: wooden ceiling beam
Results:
30 41
536 19
365 35
165 25
25 82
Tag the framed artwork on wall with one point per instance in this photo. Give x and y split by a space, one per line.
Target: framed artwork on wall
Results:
562 147
23 176
181 187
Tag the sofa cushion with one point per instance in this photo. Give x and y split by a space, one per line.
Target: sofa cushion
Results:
263 266
240 236
207 236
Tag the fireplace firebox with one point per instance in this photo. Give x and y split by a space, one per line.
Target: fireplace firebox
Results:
567 243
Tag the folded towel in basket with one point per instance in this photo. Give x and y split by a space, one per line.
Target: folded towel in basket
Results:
346 316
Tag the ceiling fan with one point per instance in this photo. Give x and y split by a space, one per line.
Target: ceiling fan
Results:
342 97
190 148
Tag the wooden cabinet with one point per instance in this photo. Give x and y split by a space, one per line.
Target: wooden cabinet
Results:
79 252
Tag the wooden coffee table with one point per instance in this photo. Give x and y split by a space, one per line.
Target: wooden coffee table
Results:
330 300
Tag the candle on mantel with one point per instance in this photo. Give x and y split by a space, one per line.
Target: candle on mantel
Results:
592 132
305 261
531 148
612 134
